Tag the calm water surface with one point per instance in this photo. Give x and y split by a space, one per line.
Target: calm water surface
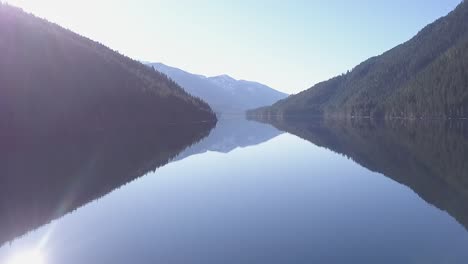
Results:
315 193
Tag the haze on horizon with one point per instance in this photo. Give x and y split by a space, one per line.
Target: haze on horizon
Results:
288 46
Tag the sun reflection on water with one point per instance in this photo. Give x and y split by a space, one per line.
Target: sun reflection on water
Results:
27 257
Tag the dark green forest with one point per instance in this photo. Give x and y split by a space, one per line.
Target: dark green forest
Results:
53 79
426 77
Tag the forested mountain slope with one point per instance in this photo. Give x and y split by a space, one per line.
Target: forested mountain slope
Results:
426 77
52 78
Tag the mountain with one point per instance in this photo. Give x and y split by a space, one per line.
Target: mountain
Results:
428 156
223 93
52 78
248 94
422 78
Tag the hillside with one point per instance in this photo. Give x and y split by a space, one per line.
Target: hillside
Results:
223 93
422 78
52 78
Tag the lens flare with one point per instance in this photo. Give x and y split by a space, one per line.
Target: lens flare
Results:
27 257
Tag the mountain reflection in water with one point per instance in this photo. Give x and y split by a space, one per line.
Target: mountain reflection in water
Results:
282 201
46 174
427 156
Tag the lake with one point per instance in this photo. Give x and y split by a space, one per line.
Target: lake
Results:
308 191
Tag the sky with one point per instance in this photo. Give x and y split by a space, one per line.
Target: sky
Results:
288 45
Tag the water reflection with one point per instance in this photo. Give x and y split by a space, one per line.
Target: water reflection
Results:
232 132
283 201
27 257
427 156
46 174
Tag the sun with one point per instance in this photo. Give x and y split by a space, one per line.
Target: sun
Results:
27 257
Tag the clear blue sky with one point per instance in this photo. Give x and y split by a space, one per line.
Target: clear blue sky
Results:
289 45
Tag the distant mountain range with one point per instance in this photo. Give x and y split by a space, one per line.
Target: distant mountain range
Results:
223 93
426 77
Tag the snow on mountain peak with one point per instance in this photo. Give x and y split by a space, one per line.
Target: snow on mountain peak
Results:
225 81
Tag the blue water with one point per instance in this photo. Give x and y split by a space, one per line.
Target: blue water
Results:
280 200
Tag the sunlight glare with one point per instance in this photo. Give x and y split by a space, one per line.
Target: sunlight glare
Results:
27 257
